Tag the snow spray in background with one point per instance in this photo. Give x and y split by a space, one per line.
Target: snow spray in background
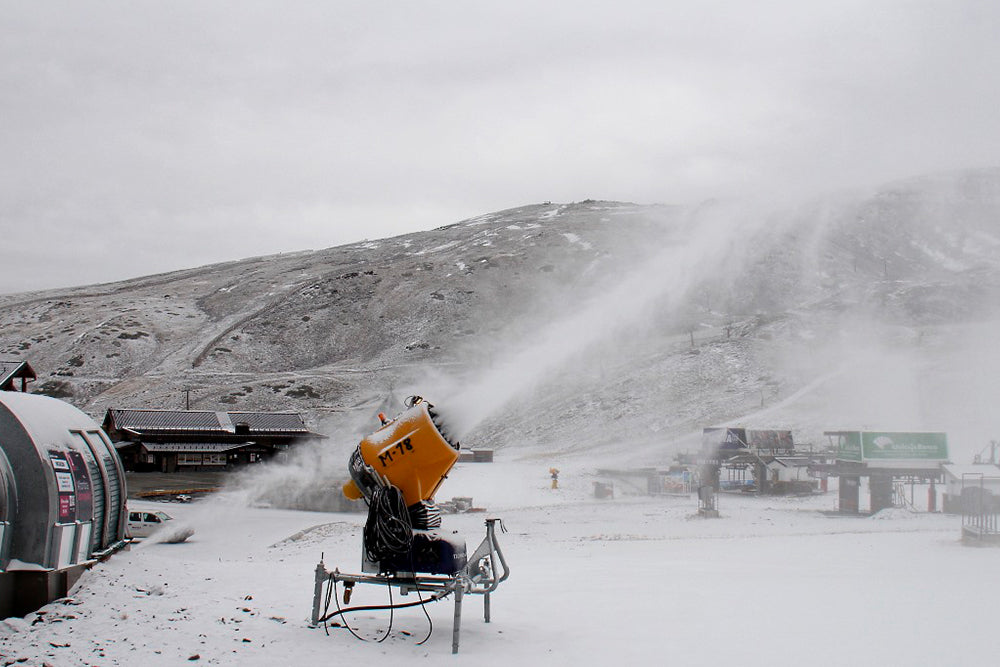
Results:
709 240
308 478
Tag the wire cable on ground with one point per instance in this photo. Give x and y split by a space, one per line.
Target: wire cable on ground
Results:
430 623
331 594
392 613
388 537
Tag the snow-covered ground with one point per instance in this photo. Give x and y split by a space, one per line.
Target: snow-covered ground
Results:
772 582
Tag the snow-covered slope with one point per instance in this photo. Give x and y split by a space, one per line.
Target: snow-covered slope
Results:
565 328
628 580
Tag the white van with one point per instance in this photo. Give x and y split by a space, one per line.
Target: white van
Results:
144 524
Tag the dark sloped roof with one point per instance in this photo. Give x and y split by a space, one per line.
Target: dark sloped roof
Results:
167 420
15 369
286 422
204 421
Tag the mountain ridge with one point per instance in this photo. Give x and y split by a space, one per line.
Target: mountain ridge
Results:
329 332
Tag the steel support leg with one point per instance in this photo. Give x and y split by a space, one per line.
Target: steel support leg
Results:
321 578
456 627
486 607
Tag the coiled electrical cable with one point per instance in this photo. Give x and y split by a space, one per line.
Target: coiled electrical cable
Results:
388 532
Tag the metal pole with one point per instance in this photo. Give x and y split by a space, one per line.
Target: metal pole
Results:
318 591
486 607
458 617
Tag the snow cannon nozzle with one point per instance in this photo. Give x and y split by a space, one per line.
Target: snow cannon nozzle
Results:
441 423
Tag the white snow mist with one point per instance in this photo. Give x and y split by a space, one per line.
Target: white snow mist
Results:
708 239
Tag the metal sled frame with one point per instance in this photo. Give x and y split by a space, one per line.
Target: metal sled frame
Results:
483 573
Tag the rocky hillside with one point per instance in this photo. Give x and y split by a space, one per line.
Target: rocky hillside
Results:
720 312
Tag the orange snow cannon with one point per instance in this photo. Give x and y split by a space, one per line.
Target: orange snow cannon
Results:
411 452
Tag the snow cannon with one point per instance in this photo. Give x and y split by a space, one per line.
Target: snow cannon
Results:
397 470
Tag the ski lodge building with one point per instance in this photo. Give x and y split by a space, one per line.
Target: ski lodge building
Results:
189 440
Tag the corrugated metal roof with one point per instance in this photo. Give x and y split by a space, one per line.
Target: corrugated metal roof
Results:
204 421
167 420
793 462
286 422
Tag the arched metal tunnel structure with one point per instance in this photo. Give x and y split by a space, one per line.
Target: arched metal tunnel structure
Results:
62 499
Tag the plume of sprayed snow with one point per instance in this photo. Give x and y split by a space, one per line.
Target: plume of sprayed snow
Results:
858 373
960 389
309 477
708 242
174 532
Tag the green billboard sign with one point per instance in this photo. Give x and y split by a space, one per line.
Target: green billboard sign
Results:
904 446
849 446
861 446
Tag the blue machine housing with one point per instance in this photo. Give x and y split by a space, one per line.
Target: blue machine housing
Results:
431 553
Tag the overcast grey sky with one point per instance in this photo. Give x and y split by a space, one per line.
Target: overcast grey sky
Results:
139 137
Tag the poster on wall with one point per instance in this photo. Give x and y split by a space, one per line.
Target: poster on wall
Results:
84 490
64 484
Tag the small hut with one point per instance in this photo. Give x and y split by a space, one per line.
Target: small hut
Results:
15 375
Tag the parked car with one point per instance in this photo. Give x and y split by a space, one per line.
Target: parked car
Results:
145 523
